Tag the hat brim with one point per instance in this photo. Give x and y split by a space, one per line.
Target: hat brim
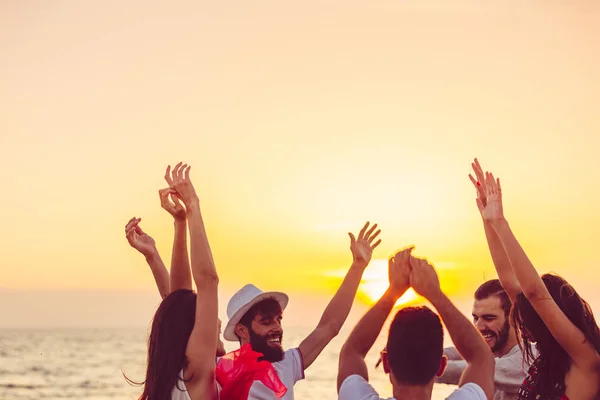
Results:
229 332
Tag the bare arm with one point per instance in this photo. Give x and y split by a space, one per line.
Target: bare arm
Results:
363 336
142 242
339 307
581 351
202 344
469 343
160 273
181 276
507 278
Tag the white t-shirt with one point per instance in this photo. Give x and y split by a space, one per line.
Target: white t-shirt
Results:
290 370
355 387
508 377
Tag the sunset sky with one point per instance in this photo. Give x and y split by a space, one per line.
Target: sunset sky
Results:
301 121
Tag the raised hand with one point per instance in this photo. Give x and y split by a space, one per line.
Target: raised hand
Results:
362 248
479 181
423 278
492 209
399 270
170 202
138 239
179 180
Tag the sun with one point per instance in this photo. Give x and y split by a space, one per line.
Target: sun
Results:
375 282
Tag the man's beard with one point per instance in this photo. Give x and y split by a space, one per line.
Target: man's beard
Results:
259 344
502 337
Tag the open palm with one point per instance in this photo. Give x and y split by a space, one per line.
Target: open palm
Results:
362 247
492 209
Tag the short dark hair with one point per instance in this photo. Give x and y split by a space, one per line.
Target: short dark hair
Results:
493 287
415 345
269 306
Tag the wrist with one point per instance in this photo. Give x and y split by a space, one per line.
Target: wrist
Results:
151 254
359 264
180 221
394 292
435 297
497 223
193 207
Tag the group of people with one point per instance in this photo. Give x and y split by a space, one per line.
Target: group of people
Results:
532 336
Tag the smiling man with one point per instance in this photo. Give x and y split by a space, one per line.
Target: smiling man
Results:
255 317
491 316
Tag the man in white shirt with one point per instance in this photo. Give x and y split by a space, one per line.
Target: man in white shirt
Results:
491 316
414 352
255 317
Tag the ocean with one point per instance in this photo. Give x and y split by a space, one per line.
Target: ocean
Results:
89 364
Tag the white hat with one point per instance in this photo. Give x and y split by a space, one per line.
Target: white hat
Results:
242 301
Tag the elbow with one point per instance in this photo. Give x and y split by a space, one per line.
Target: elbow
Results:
347 348
330 331
206 278
534 291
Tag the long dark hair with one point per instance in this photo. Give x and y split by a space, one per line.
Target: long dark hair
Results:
553 362
171 328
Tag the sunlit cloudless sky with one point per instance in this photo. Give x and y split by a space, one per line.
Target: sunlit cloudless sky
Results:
301 121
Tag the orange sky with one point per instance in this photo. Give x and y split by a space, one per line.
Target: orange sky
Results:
301 122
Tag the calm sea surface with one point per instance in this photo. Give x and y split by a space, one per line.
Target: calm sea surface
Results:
88 364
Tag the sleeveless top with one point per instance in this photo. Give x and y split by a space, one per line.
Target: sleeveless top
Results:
180 392
528 390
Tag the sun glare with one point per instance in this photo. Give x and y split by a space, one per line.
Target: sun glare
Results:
375 282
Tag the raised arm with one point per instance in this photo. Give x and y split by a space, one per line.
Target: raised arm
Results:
364 334
142 242
501 262
339 307
202 345
181 277
581 351
468 341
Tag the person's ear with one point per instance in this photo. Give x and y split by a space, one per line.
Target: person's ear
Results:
242 331
443 365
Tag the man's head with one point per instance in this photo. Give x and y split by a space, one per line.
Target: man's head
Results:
491 311
261 326
255 318
415 347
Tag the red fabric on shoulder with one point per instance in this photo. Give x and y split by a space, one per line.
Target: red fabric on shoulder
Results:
236 371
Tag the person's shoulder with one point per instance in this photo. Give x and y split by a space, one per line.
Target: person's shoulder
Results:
468 391
292 356
355 387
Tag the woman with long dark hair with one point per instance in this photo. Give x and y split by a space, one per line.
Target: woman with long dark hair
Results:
184 333
546 310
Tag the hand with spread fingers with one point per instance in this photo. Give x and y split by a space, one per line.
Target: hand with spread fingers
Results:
138 239
423 278
179 180
363 246
399 270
